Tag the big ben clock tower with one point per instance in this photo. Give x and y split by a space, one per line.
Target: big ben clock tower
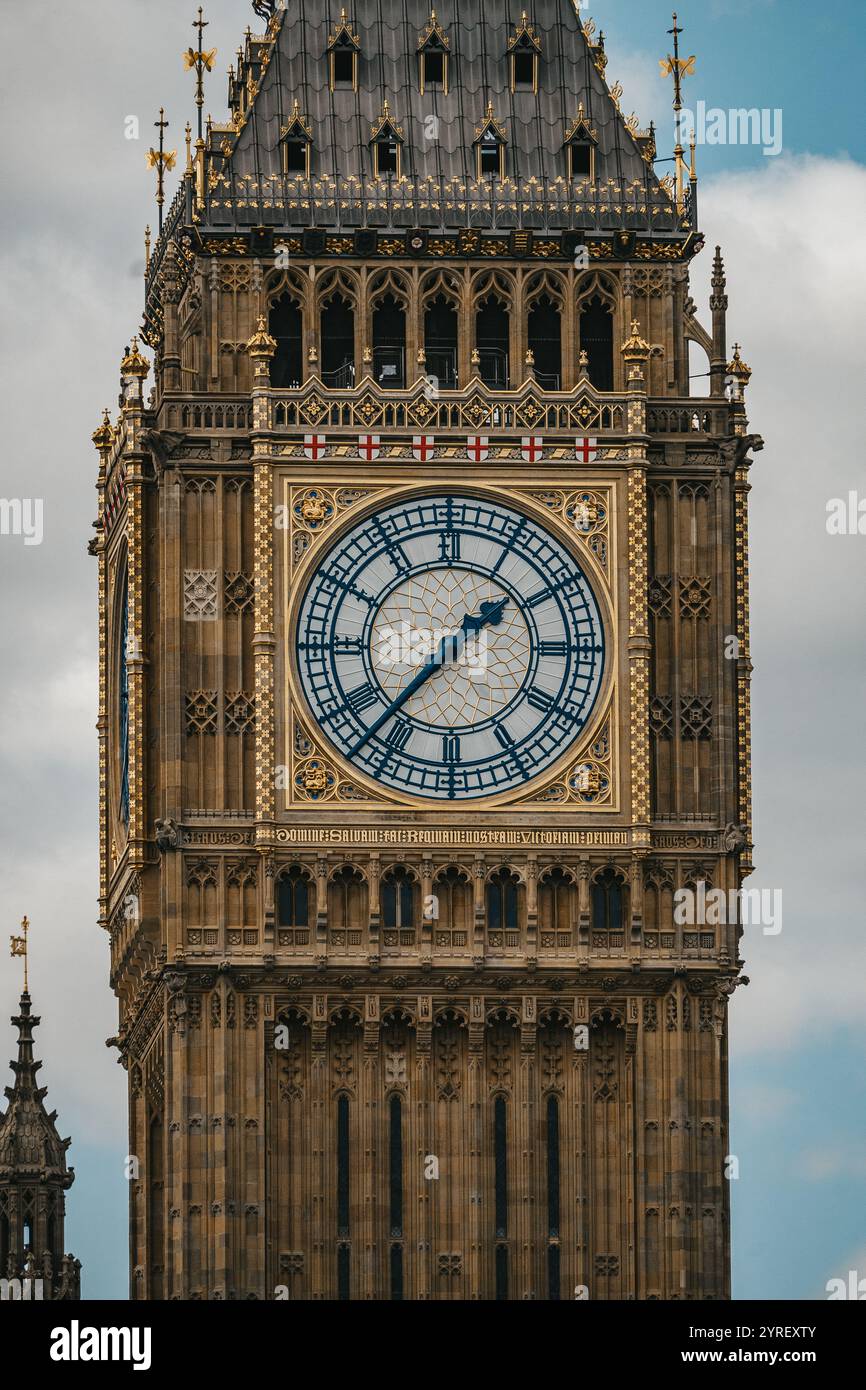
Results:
425 683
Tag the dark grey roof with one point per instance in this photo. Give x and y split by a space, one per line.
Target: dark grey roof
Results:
438 188
479 31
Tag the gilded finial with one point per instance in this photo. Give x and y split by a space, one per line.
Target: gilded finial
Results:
261 344
201 60
19 948
188 138
475 358
160 160
678 68
103 437
133 363
635 348
739 369
583 362
147 248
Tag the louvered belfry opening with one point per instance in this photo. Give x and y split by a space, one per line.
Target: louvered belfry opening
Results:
338 343
285 324
492 337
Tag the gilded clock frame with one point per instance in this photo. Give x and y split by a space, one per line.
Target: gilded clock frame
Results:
298 720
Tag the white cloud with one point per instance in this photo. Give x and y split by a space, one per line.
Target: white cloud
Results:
791 235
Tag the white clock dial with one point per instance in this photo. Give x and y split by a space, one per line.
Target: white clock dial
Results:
450 647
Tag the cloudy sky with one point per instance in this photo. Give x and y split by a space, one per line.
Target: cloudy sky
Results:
76 199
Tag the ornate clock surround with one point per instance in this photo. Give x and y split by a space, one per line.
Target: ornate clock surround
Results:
587 772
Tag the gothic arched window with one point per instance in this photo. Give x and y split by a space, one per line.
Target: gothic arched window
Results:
347 909
440 341
389 342
596 340
453 894
492 339
503 917
556 907
338 342
544 336
397 906
293 898
607 909
285 324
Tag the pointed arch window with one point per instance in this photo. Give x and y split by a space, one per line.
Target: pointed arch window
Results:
608 909
440 341
293 906
580 144
492 338
490 145
596 340
452 905
503 911
296 143
343 50
397 896
347 908
285 324
544 337
337 324
387 145
556 910
389 340
524 49
433 54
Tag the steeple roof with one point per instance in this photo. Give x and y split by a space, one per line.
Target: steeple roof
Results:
289 64
30 1146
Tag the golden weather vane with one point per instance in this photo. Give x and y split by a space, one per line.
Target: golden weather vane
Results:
160 160
19 947
680 68
202 61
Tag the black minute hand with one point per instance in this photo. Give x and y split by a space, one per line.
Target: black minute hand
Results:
490 614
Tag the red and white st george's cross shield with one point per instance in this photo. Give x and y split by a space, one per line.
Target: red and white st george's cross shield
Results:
422 447
368 446
314 445
586 449
532 447
477 447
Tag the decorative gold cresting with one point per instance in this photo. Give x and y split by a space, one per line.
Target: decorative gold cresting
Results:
19 947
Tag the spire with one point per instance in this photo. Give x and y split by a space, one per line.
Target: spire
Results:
719 307
29 1142
34 1177
718 300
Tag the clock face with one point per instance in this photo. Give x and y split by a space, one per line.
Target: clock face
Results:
450 647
